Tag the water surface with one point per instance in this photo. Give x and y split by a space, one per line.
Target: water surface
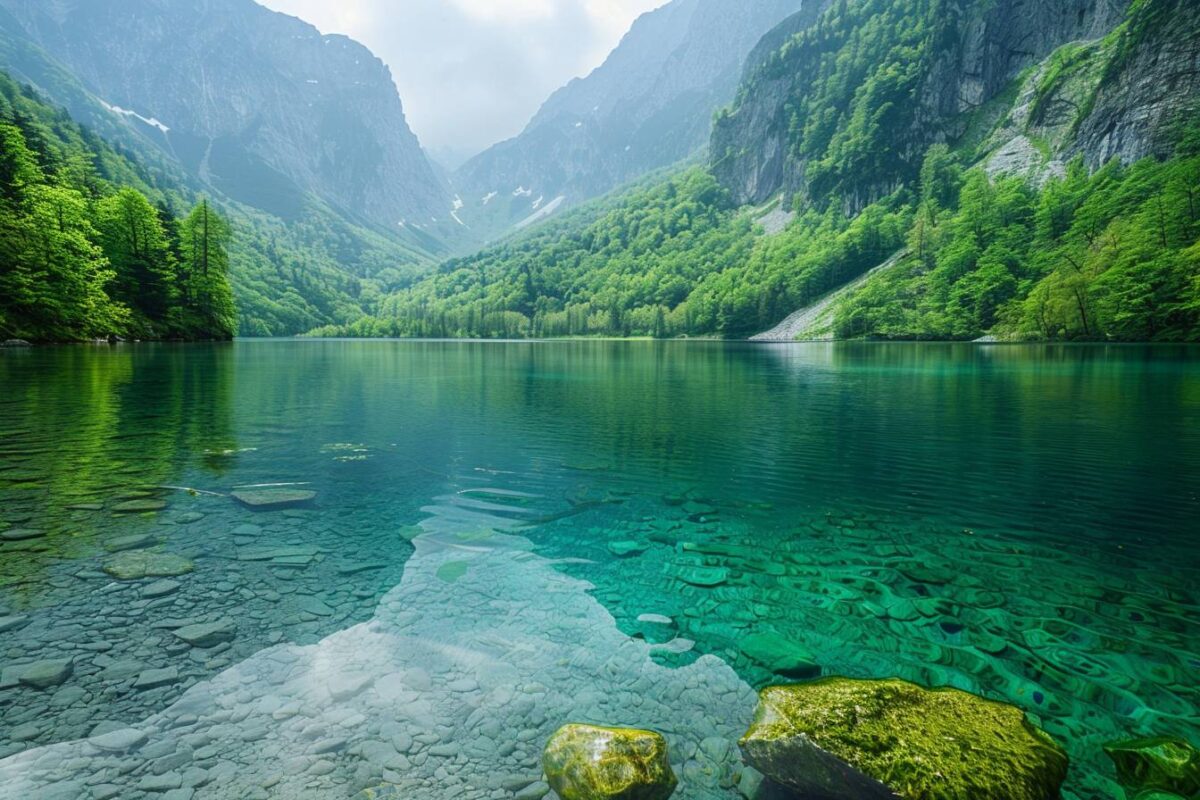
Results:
1016 521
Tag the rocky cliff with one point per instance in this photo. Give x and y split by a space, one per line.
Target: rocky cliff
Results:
257 104
649 105
845 108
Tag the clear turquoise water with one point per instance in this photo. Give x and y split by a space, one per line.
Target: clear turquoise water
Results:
1016 521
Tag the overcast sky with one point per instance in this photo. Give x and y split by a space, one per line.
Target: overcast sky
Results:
472 72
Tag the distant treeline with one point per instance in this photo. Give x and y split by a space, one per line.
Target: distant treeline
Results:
82 257
1113 255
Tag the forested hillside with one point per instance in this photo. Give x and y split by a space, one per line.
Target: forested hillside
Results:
83 254
889 126
314 267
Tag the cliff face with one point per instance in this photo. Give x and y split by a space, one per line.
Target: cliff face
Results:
649 105
948 70
257 104
1150 84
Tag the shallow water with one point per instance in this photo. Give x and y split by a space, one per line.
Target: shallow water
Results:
1017 521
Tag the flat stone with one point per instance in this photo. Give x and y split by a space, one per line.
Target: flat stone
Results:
208 634
45 674
135 542
141 506
120 741
153 678
273 497
313 605
354 569
276 553
13 623
161 588
626 549
705 577
160 783
21 534
137 564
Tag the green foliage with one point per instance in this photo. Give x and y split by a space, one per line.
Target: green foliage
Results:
673 259
1113 255
81 258
287 277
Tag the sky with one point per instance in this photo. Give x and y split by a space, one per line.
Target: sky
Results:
472 72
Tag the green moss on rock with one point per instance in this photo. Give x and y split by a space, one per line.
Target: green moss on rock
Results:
588 762
861 739
1165 764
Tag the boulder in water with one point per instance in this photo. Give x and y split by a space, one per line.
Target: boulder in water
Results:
1164 764
588 762
843 739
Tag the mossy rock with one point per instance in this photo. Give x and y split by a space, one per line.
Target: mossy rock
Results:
1166 764
872 740
588 762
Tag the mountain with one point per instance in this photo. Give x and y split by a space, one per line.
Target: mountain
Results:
256 104
954 68
649 105
913 169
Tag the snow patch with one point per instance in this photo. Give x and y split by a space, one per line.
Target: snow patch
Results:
537 203
458 203
151 121
489 197
521 191
543 212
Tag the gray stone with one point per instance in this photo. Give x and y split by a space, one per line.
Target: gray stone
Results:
209 634
160 783
45 674
161 588
153 678
120 741
134 542
273 497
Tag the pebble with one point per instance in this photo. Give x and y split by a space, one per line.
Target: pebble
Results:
153 678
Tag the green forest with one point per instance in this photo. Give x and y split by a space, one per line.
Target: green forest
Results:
286 276
1068 254
82 257
1110 255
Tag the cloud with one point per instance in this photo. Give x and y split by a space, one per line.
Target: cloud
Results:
472 72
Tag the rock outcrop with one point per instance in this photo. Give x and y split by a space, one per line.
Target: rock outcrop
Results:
843 739
977 50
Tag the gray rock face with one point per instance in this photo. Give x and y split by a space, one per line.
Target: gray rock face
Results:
257 103
989 45
1158 86
649 105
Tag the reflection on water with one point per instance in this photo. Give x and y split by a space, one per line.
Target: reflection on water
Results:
1017 521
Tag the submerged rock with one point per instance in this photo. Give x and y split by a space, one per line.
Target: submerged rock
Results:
140 506
588 762
136 564
47 674
271 498
208 634
780 655
1163 764
843 739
